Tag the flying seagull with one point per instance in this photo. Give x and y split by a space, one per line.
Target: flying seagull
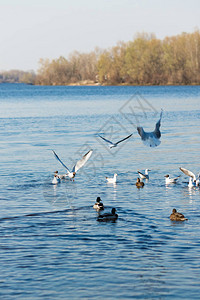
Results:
192 175
112 145
80 163
151 138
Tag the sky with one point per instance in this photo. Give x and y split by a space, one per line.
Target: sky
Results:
34 29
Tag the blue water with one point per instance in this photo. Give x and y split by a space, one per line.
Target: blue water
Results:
51 245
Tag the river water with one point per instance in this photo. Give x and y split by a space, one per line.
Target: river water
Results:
51 245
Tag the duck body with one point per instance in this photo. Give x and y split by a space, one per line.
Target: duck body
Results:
108 216
176 216
112 179
98 205
139 183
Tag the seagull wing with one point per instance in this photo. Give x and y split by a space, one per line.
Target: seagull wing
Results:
82 161
188 173
56 156
140 173
157 128
124 139
105 140
142 133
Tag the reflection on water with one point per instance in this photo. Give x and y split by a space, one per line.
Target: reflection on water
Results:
52 246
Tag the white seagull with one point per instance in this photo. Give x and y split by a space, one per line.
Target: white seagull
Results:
112 145
56 179
151 138
194 180
112 179
145 175
171 180
80 163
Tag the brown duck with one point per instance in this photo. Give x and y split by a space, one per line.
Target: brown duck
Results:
176 216
139 183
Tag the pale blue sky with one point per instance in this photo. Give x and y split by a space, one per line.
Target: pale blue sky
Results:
34 29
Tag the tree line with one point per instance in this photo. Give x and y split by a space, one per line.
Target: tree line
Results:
144 61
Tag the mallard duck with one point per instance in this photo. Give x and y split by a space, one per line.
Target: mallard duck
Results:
108 216
98 205
176 216
139 183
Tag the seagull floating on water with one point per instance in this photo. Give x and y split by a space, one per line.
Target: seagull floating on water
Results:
77 166
112 145
108 216
98 205
194 180
171 180
56 179
145 175
191 183
151 138
139 183
112 179
176 216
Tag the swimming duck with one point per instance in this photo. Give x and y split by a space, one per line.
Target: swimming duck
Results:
108 216
145 175
170 180
176 216
98 205
112 179
139 183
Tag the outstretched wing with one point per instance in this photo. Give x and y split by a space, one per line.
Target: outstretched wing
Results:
124 139
105 139
56 156
157 128
142 133
188 173
82 161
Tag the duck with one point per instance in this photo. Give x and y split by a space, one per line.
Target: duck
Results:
108 216
98 205
176 216
112 179
139 183
145 175
171 180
